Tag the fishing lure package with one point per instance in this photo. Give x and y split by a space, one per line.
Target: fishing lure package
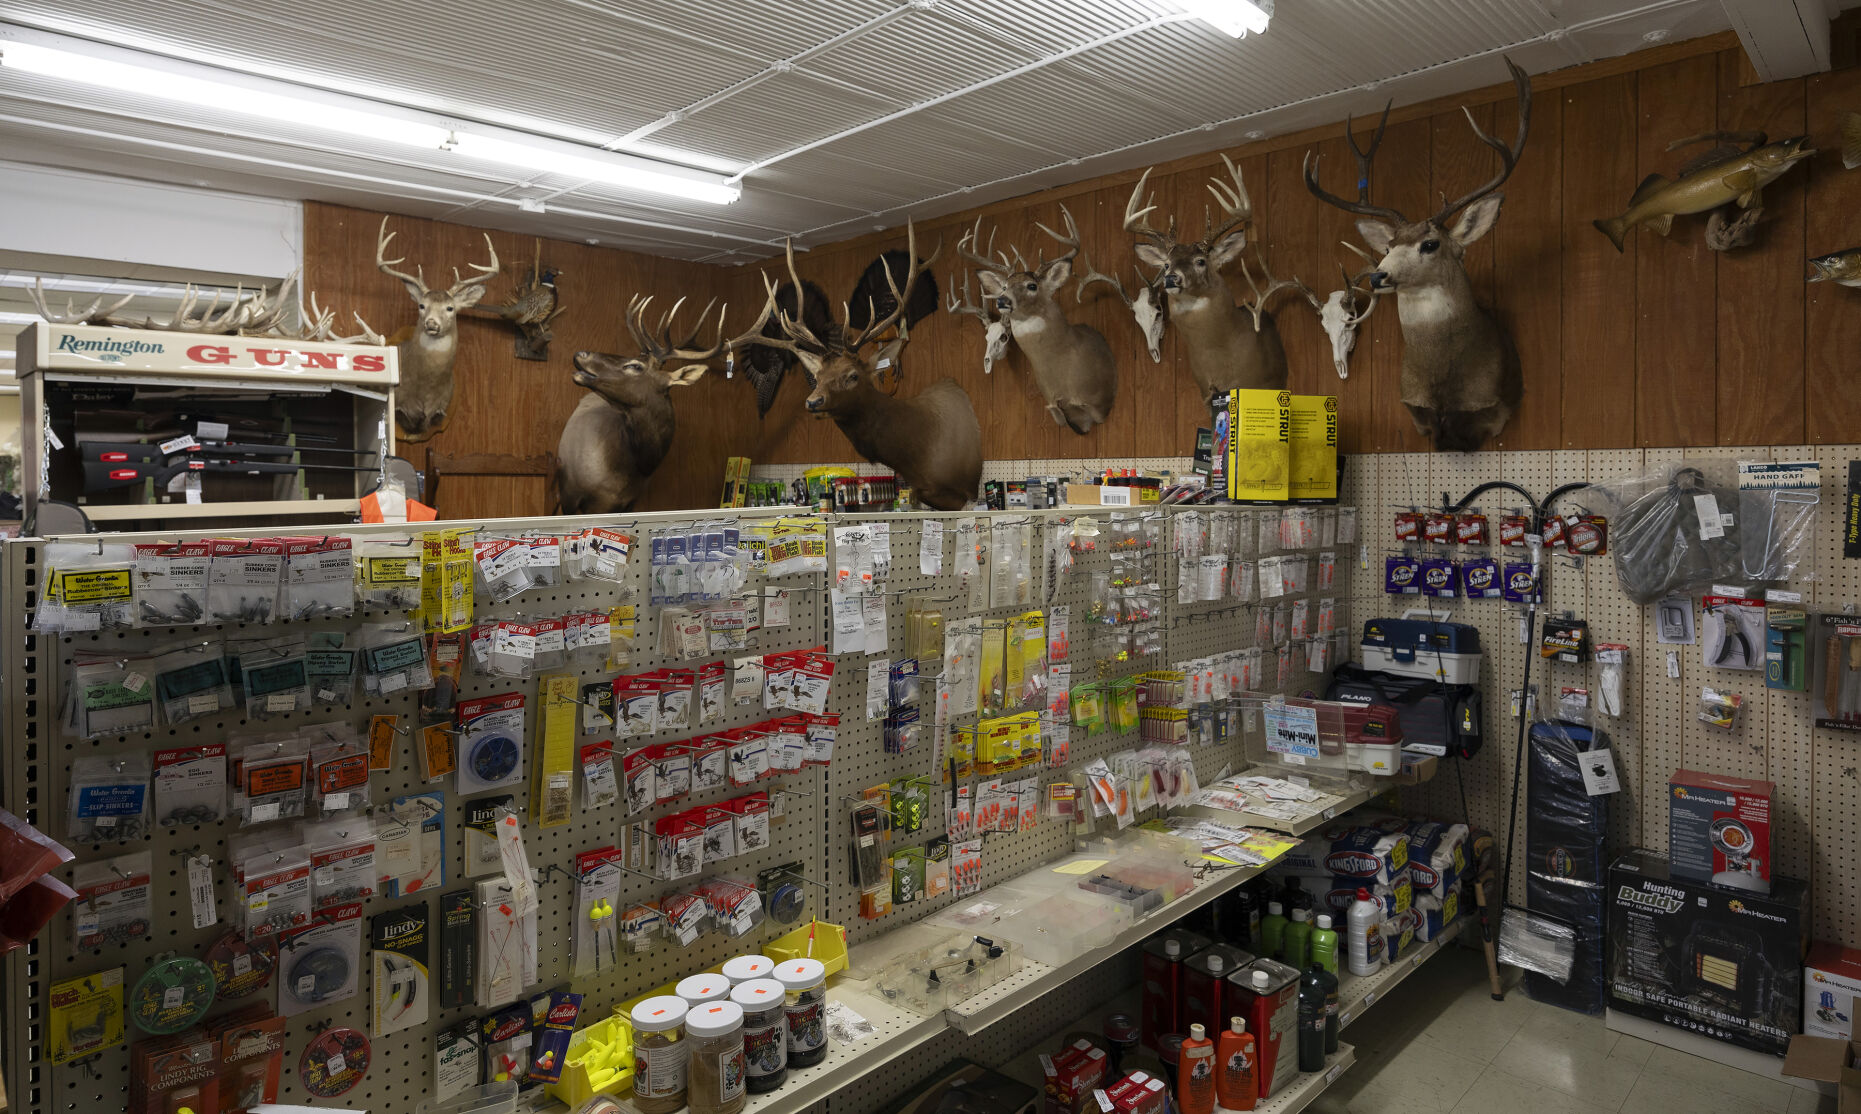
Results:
109 696
109 798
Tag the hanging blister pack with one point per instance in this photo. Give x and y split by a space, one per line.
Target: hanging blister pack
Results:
502 568
342 861
114 903
320 962
338 771
275 675
394 658
272 779
171 583
191 682
109 798
388 574
330 667
110 696
491 742
244 578
595 931
87 588
600 776
190 785
319 578
1777 504
274 891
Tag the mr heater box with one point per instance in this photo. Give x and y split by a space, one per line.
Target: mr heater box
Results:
1724 963
1719 829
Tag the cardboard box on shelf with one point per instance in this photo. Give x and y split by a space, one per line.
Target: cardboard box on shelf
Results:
1313 447
1831 990
1259 437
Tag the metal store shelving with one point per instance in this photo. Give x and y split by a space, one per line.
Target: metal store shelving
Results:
1357 993
1298 827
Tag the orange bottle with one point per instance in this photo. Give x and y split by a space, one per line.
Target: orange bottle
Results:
1195 1073
1236 1084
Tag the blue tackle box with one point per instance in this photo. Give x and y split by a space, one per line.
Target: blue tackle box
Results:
1423 643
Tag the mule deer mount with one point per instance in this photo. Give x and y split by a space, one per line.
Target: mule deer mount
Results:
1460 373
1072 364
429 347
619 433
932 439
1230 346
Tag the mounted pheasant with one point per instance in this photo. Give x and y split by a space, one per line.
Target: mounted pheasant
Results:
534 304
1460 373
617 436
428 347
932 440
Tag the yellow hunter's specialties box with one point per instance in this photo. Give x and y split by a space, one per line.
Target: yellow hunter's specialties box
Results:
1314 447
1259 445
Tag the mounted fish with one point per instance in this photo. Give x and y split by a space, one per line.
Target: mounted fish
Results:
1843 268
533 305
1230 346
428 347
1460 374
619 433
932 440
1710 183
1072 364
764 366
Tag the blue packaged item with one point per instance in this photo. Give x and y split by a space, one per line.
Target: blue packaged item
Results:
1479 578
1438 577
1402 576
1521 586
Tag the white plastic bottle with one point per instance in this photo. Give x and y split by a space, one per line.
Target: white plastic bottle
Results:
1364 948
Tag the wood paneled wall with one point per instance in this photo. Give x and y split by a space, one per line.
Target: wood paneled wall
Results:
502 404
1666 343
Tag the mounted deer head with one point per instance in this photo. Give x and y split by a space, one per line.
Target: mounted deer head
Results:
1460 374
1230 346
1072 364
620 432
932 440
427 351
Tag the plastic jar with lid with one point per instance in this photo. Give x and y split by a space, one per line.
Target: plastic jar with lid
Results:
715 1033
660 1054
804 986
765 1033
746 967
699 989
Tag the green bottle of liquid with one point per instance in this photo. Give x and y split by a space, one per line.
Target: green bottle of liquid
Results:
1296 948
1273 929
1325 944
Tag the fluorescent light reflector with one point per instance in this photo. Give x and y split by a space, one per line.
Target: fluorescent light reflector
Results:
614 170
1232 17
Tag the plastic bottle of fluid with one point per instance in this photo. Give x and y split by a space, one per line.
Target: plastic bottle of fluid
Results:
1330 982
1296 949
1364 935
1312 1020
1236 1085
1272 929
1325 944
1195 1073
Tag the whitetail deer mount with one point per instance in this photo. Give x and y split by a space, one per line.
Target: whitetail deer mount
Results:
1229 346
1072 364
428 348
619 433
932 440
1460 374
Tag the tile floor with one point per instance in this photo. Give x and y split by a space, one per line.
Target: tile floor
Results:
1441 1045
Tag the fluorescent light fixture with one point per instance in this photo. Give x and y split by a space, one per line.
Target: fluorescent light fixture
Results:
1232 17
403 128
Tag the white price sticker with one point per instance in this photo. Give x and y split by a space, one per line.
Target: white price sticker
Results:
265 812
200 891
281 702
202 704
335 1064
178 444
174 997
135 682
335 802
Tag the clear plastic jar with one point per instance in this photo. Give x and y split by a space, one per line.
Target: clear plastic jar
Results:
660 1055
804 987
746 967
699 989
765 1033
715 1033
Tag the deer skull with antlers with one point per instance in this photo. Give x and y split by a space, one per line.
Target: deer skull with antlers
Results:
1230 346
1341 312
932 440
1072 364
1460 373
428 349
619 433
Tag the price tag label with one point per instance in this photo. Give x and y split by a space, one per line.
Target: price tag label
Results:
335 802
336 1064
174 997
242 965
202 704
178 444
135 682
265 812
281 702
200 891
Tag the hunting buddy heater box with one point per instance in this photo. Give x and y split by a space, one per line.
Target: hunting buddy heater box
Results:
1720 962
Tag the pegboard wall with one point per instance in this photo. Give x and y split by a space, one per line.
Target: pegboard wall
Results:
1816 824
812 829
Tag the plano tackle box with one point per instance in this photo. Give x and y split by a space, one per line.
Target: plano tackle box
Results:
1423 643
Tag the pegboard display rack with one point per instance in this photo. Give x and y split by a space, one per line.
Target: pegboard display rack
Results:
811 829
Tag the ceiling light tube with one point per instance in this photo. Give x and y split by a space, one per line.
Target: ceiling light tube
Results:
167 80
1232 17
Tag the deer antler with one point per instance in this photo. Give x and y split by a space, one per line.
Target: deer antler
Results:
855 341
1235 203
1070 241
967 254
1362 205
965 306
1137 221
386 266
486 272
1258 306
1508 156
92 314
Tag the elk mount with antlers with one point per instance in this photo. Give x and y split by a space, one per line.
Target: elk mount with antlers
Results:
430 346
932 440
1230 346
1072 364
1460 373
617 436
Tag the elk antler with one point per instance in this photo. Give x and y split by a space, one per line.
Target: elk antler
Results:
1070 241
486 272
901 298
799 340
386 266
1235 203
1508 156
1361 206
683 349
1258 306
93 314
